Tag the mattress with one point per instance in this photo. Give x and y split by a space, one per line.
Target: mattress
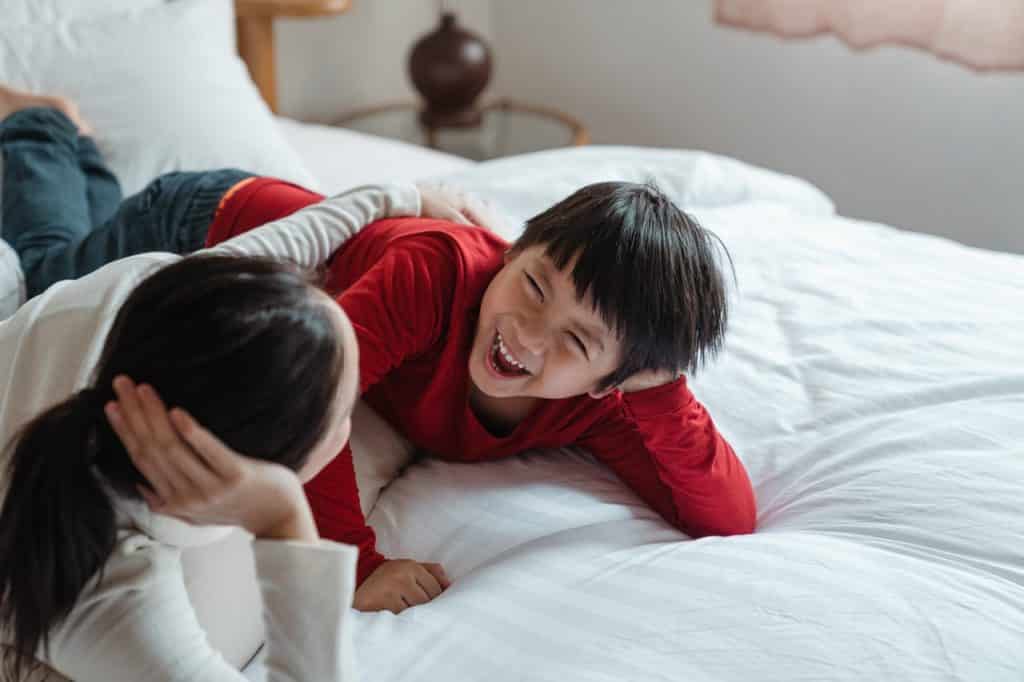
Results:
873 384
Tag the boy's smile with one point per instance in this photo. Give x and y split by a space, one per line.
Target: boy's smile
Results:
536 338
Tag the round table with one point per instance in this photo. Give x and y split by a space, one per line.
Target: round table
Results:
508 127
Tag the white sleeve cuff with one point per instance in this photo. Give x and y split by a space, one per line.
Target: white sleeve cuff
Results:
307 594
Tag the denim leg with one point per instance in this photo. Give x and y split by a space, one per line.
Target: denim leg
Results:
44 199
102 190
173 213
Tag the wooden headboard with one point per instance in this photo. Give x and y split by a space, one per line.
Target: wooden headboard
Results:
255 27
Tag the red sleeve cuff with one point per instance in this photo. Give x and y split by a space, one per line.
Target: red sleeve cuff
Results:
369 560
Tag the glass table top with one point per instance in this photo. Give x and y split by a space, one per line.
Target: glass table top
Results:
507 128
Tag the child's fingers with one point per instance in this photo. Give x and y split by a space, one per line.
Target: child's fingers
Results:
415 595
395 604
438 572
429 584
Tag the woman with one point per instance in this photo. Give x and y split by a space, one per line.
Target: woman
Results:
90 578
96 470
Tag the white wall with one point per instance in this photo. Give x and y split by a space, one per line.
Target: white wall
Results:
892 135
329 66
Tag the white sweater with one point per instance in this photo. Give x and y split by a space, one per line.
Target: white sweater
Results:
137 623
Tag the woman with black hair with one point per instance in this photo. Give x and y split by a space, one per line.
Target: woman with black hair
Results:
261 370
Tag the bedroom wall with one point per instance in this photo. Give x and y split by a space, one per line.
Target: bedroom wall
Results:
329 66
892 135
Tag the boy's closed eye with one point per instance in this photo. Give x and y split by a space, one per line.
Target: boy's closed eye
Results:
536 287
573 338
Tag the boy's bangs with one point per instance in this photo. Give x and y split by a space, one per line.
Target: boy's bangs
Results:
596 274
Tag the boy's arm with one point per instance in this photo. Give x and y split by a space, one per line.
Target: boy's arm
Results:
311 235
334 498
663 444
399 308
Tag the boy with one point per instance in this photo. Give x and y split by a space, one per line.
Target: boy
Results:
577 334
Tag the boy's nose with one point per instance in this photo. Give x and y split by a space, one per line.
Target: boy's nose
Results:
532 335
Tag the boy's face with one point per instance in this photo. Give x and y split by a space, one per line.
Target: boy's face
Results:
535 338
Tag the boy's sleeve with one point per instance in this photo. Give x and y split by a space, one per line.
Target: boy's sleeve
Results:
399 308
664 445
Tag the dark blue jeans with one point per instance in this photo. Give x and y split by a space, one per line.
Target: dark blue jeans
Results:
61 209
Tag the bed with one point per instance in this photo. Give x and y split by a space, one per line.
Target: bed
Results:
873 384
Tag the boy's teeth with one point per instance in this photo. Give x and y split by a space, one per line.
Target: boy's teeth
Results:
500 343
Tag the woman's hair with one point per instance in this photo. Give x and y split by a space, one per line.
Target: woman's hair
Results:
240 343
652 271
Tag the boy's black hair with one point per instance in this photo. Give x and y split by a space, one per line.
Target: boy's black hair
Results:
651 269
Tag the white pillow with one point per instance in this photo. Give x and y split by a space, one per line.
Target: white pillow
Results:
162 86
54 11
525 185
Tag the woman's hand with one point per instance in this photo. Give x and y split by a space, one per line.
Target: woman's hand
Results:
398 584
192 475
445 202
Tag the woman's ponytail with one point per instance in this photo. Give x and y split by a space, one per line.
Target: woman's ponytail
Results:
57 524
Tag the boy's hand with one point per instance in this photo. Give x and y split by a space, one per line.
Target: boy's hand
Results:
641 381
398 584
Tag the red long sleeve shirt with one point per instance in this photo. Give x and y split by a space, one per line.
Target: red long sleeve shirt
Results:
412 288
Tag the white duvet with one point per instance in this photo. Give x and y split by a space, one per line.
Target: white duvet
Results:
872 383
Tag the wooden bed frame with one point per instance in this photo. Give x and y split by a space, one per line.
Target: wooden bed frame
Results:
255 29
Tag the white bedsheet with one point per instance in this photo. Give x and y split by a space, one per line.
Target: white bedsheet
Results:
873 384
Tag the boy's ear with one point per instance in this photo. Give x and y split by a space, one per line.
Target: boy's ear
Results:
510 254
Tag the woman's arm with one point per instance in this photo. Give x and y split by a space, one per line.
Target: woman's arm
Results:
138 624
308 237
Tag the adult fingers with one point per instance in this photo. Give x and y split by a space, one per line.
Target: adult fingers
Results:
121 428
134 430
221 459
153 452
152 499
451 214
130 408
460 217
152 473
185 469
